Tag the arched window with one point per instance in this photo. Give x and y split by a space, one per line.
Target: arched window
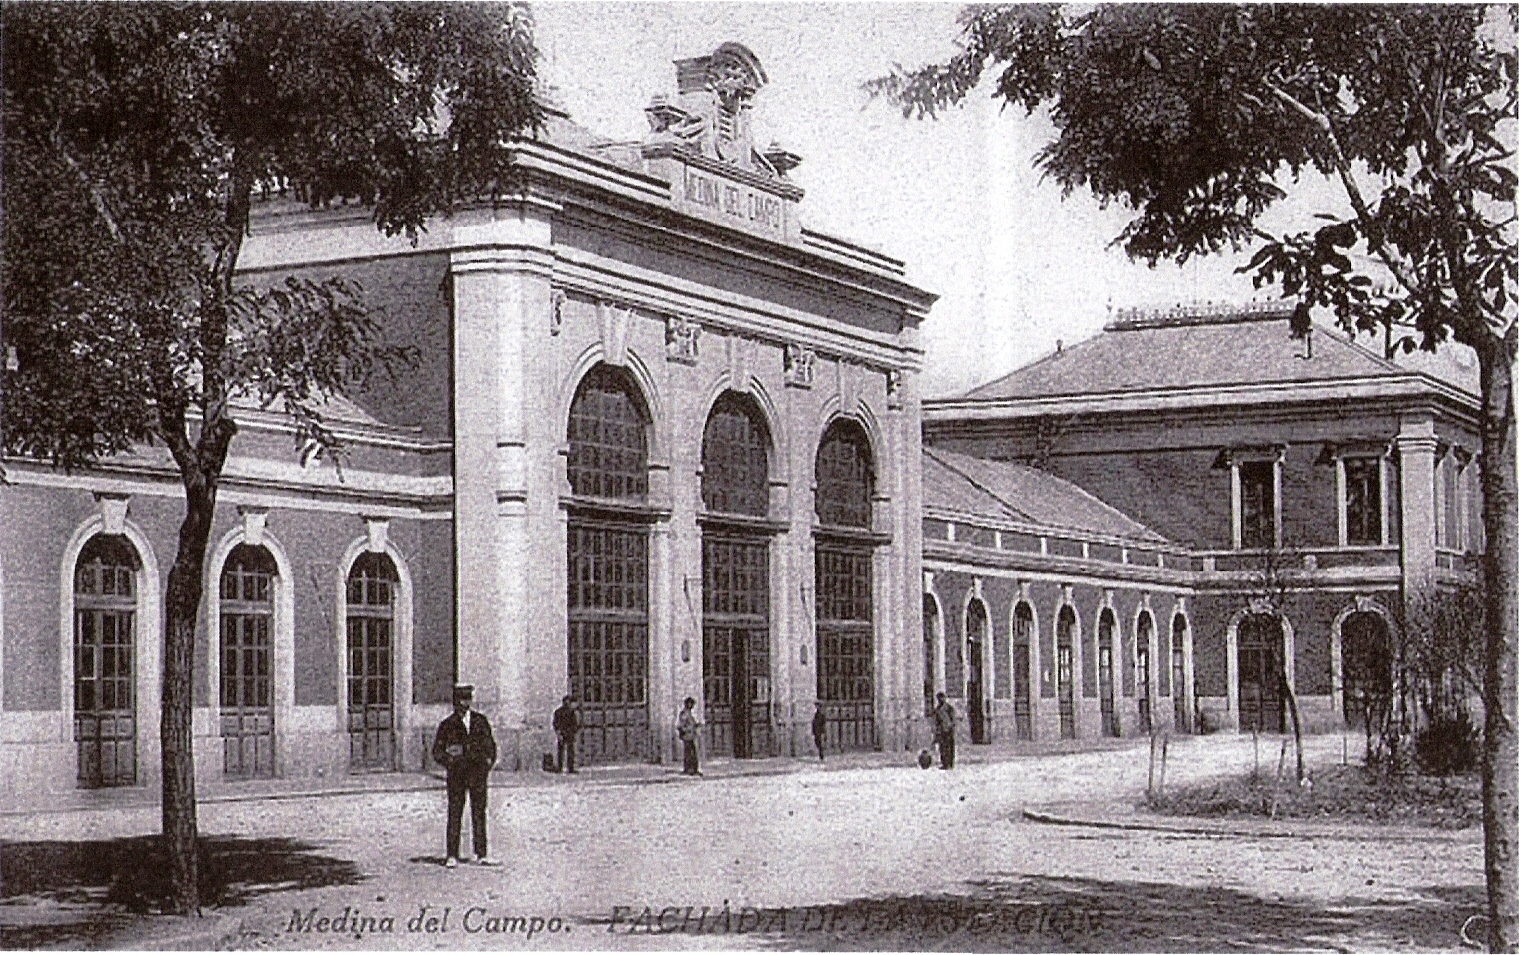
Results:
845 476
371 610
1261 675
736 637
608 568
1023 638
735 476
1182 717
1145 630
105 613
976 670
1366 670
843 584
1066 639
247 662
609 451
1106 673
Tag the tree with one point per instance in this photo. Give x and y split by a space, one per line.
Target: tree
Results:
1271 582
1195 117
136 137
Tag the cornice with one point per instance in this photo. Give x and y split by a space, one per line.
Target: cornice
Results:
1203 398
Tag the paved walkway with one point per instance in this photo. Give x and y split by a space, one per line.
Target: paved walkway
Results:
864 852
97 800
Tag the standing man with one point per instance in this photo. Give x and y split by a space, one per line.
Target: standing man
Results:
465 747
566 724
820 727
944 731
686 728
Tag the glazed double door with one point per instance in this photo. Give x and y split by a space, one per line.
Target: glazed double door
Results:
736 645
105 717
736 676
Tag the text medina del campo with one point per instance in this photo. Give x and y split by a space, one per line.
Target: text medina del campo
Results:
429 920
736 201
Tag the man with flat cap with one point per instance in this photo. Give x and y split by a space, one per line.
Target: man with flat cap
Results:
465 747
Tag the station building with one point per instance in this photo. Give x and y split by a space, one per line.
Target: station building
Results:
662 441
1282 504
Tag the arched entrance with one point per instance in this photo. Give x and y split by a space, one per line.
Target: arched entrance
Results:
1180 716
736 636
976 689
843 548
1106 673
370 610
1066 697
247 662
1366 670
608 567
931 632
1023 634
105 706
1261 673
1145 632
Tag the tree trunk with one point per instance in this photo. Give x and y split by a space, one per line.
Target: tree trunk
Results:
1500 756
1298 726
182 609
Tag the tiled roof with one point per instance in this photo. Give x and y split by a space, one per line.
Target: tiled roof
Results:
1002 490
1200 348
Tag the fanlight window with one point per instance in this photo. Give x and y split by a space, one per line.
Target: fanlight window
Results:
844 475
735 478
609 452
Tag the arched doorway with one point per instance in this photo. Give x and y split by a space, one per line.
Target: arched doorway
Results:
736 636
843 549
1106 673
1145 632
1261 679
1066 698
1181 718
608 566
247 662
976 688
370 627
931 632
105 678
1023 634
1366 670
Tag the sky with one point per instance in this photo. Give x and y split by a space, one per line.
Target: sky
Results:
1017 266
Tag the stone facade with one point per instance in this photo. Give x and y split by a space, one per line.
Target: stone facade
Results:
679 270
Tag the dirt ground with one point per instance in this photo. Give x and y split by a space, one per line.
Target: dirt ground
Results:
821 858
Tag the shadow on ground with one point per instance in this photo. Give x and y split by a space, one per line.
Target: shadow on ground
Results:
1034 914
77 894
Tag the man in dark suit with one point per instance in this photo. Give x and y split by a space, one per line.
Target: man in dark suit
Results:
465 747
566 724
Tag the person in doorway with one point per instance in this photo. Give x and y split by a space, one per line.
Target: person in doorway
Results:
820 727
944 731
567 723
686 728
465 747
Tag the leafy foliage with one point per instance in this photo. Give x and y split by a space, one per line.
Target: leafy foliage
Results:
1196 116
136 137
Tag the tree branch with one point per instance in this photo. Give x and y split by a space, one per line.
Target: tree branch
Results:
1398 267
90 187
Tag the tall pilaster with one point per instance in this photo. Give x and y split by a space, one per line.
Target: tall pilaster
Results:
500 280
1417 506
